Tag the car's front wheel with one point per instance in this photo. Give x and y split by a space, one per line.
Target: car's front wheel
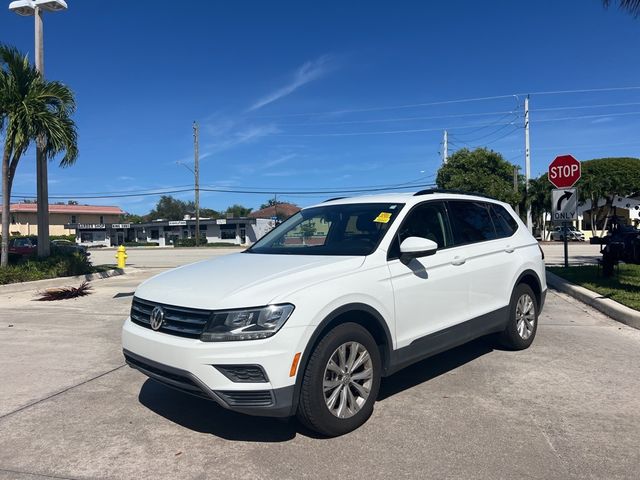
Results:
341 381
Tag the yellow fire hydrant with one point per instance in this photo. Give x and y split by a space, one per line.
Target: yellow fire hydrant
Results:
122 256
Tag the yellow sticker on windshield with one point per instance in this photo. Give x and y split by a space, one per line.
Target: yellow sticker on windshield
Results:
384 217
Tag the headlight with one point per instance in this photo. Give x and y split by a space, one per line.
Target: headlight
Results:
249 324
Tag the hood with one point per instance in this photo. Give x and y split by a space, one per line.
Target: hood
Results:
242 279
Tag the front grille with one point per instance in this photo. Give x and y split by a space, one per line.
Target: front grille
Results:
169 377
253 398
243 373
180 321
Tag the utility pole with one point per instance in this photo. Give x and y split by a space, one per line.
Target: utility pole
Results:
196 174
527 161
515 186
445 148
42 183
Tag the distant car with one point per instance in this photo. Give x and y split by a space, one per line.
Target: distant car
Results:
26 246
66 246
571 233
23 246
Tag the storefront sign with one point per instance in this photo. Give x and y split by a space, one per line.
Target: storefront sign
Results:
120 225
175 223
221 221
91 226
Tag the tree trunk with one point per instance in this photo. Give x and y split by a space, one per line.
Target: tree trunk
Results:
594 215
606 218
6 205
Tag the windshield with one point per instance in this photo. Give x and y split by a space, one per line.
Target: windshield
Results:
346 229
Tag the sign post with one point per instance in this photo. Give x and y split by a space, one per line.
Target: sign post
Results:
564 172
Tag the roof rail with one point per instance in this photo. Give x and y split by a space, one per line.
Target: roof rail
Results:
430 191
332 199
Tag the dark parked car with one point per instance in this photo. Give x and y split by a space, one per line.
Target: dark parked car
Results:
26 246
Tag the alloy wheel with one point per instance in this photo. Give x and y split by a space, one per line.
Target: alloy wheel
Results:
347 380
525 316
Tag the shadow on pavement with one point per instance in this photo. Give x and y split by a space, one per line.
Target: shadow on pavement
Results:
203 416
433 367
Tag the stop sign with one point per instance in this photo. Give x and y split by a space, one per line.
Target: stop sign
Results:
564 171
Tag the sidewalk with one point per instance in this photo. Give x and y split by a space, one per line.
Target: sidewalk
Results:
613 309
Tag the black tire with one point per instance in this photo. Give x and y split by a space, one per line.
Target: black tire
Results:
510 337
312 408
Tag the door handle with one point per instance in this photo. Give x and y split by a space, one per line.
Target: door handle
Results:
509 249
458 261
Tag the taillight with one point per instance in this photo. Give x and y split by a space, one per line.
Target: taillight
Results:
541 251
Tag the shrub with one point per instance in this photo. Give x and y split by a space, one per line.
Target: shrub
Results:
141 244
188 242
71 238
28 269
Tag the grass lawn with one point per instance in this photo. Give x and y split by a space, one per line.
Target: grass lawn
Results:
623 287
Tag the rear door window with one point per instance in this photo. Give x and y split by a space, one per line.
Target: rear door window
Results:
471 222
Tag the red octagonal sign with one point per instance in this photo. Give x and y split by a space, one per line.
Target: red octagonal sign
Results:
564 171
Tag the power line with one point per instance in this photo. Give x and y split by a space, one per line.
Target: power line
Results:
577 107
467 142
515 96
261 191
399 119
579 117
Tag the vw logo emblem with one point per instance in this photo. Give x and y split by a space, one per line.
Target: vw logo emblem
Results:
157 318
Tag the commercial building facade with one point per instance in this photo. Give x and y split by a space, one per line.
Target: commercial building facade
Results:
24 219
238 231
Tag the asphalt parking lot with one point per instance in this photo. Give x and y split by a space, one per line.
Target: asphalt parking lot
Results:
69 407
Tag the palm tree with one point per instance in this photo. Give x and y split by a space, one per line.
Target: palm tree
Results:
539 198
31 109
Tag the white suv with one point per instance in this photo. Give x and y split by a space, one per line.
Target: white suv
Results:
307 320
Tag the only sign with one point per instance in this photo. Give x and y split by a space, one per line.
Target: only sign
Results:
564 171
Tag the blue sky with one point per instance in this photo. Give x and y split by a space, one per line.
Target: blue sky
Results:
295 96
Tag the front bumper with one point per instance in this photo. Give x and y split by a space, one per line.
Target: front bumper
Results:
190 365
269 403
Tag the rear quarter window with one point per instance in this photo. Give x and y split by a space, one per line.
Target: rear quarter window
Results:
504 222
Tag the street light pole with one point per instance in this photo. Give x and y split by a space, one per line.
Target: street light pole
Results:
37 9
41 161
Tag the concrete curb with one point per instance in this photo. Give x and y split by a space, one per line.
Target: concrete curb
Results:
613 309
60 281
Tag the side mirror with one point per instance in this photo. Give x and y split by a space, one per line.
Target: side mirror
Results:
414 247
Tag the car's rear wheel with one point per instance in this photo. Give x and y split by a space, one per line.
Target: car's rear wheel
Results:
523 319
341 381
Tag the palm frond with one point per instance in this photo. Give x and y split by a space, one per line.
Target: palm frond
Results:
64 293
631 6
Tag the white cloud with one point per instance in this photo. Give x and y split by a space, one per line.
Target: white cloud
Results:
308 72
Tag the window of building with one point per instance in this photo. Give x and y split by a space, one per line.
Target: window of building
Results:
470 222
74 219
154 233
101 219
227 232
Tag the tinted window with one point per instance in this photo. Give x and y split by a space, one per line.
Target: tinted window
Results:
427 221
470 222
505 224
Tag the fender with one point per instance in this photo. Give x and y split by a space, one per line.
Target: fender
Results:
537 289
324 325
